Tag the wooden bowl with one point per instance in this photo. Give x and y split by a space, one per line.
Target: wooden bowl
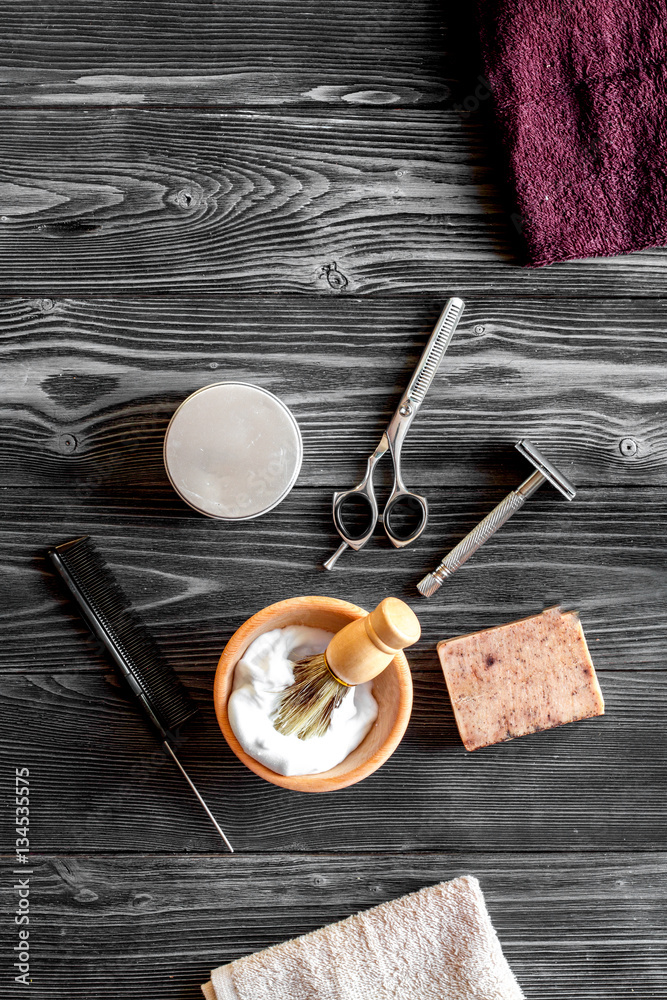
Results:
392 690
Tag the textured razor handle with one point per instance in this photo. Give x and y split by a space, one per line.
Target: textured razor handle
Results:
483 531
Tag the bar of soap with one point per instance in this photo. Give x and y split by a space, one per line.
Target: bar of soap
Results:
520 678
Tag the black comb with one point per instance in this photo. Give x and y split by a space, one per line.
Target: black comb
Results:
107 612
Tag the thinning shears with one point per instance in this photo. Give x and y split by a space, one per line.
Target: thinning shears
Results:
355 511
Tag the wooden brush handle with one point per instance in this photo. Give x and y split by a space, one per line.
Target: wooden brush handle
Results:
362 649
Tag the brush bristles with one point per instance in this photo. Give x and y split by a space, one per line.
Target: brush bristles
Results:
428 586
307 705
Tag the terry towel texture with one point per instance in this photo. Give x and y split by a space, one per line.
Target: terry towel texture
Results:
580 89
436 944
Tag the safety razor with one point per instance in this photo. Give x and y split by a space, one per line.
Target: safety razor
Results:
544 471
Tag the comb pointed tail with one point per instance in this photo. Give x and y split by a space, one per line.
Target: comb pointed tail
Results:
196 791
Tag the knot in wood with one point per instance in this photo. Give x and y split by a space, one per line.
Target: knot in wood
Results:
67 444
335 278
628 447
186 198
142 900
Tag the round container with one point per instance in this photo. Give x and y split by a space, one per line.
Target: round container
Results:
392 690
232 451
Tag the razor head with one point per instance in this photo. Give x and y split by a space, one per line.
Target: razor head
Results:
428 586
549 471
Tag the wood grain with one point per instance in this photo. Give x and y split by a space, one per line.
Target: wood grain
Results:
88 386
196 581
101 782
273 53
570 930
252 201
287 193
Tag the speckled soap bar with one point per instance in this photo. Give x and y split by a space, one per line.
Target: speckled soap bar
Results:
519 678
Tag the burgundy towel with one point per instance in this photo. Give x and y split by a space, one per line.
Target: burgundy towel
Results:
580 88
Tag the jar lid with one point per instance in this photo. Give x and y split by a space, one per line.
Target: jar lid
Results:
232 451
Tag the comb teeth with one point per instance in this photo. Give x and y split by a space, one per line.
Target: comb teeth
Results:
108 612
428 586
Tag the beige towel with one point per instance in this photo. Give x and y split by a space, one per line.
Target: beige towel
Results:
436 944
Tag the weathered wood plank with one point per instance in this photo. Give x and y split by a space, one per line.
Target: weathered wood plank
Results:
342 203
88 386
101 783
196 580
257 202
585 928
228 54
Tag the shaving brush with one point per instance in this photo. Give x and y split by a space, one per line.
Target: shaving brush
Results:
358 653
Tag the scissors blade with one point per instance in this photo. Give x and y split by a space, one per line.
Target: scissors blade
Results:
434 352
381 450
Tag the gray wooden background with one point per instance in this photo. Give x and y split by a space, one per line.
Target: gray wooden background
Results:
286 193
